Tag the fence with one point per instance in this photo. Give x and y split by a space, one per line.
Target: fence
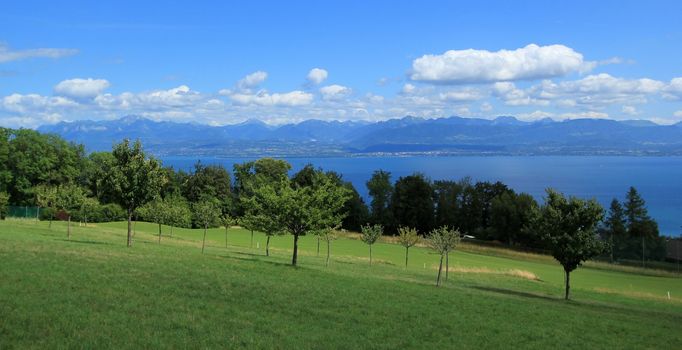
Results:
24 212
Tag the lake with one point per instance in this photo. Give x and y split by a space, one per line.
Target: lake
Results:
658 179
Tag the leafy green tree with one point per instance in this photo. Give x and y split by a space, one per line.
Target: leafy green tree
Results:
443 240
179 213
207 213
568 227
96 172
4 202
412 202
5 170
639 223
510 213
228 221
133 179
88 208
370 235
262 214
155 211
407 237
380 189
46 197
209 181
328 235
447 200
614 229
69 199
304 208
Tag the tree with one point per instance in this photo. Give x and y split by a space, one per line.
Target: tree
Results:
228 221
207 213
614 227
133 179
46 196
407 237
567 226
443 240
69 199
380 189
209 181
328 235
4 202
304 208
179 213
156 212
412 202
509 214
639 223
370 234
88 207
447 199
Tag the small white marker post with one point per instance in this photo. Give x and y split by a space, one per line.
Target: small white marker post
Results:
668 295
257 245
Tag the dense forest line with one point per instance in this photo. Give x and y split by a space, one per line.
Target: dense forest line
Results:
46 171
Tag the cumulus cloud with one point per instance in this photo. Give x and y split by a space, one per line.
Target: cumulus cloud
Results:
317 76
263 98
8 55
461 95
335 92
481 66
629 110
252 80
513 96
486 107
674 89
81 88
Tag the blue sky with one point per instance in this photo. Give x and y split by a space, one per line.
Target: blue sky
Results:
222 63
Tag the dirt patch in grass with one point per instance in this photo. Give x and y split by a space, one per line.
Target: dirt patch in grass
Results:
484 270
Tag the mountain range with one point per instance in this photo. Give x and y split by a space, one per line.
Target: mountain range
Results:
409 135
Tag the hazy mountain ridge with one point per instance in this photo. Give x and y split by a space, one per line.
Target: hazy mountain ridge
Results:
453 135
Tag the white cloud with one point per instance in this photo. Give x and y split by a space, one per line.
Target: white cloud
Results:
513 96
674 89
335 92
678 114
536 115
252 80
263 98
8 55
480 66
461 95
584 115
81 88
317 76
629 110
409 88
486 107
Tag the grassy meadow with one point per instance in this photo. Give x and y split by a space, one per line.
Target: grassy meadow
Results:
93 292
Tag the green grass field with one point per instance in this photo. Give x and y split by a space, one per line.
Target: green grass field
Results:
93 292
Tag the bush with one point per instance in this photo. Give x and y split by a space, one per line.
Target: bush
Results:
102 213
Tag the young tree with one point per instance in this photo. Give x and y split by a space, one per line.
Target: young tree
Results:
155 211
303 208
69 198
443 240
407 237
46 196
207 213
228 221
179 214
133 179
328 235
370 234
568 226
88 206
248 223
4 202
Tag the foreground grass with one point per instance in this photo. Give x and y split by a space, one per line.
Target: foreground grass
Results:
93 292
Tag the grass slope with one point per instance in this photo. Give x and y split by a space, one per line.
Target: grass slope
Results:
93 292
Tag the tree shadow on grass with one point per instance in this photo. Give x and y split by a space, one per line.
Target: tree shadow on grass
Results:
254 258
82 242
515 293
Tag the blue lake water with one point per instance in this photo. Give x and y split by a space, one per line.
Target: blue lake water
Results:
658 179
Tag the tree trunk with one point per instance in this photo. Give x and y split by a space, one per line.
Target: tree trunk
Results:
68 228
440 268
407 251
267 246
327 263
159 233
370 255
318 245
130 227
171 232
568 283
447 265
203 243
225 236
295 256
251 238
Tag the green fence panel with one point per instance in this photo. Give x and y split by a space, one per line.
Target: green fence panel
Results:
25 212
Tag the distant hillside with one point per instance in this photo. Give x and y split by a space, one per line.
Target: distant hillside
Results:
454 135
